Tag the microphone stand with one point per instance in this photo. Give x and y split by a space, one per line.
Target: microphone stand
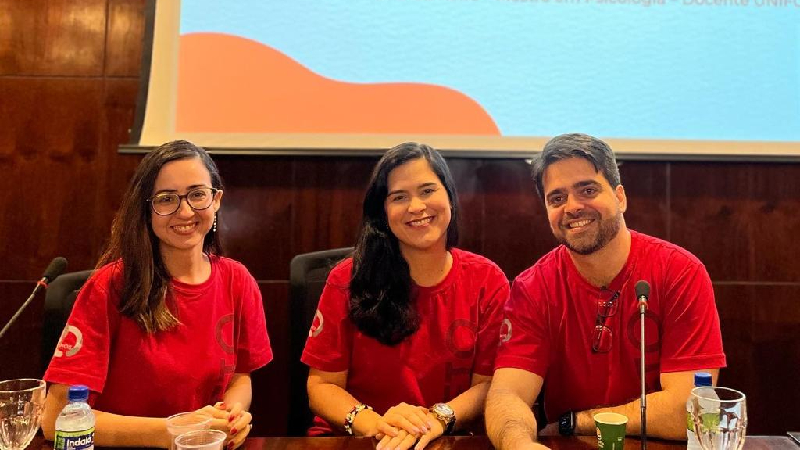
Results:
40 284
642 309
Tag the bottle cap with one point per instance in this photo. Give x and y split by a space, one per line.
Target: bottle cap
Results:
702 379
78 393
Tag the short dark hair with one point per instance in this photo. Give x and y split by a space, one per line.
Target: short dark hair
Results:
576 145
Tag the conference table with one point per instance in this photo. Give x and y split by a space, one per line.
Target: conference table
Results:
468 443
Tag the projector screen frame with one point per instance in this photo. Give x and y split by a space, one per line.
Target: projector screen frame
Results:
330 145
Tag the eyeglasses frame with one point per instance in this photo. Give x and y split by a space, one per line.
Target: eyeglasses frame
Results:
181 198
601 320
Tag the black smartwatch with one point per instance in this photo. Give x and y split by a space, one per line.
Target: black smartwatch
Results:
566 424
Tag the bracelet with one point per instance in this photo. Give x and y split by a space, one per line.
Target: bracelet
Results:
351 416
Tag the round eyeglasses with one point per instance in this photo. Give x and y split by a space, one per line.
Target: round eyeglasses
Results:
167 203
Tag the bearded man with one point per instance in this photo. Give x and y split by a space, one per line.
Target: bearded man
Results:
572 322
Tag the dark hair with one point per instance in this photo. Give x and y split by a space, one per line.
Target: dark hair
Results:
145 278
380 289
576 145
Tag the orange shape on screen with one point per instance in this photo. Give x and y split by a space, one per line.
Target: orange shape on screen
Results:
229 84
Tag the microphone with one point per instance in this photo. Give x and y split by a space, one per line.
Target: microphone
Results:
57 267
642 295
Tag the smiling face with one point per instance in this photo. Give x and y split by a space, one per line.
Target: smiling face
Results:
185 229
584 211
417 207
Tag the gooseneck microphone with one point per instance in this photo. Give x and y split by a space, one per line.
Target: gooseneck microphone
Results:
642 295
57 267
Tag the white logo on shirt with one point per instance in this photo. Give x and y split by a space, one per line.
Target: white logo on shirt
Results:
65 348
505 331
316 325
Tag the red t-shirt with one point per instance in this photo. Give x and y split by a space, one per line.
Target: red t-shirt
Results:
460 323
222 331
550 321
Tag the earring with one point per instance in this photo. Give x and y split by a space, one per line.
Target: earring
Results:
214 227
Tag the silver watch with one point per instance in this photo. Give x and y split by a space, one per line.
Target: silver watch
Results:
445 414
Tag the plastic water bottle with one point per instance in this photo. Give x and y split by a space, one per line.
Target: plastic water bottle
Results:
700 379
75 423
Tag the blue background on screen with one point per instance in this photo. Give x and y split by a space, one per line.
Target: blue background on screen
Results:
663 71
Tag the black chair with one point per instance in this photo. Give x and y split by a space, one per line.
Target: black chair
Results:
58 301
307 275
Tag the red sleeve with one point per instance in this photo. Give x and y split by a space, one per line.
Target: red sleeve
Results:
330 338
83 352
253 348
692 338
495 291
524 337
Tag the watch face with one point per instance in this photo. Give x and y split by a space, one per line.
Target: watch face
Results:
444 409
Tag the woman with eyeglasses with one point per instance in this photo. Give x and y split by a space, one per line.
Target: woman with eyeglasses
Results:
403 344
165 324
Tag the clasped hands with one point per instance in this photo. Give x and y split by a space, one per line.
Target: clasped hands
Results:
405 426
230 418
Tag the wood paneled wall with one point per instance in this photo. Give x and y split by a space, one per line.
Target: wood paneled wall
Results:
69 75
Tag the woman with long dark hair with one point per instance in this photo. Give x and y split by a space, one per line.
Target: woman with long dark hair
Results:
165 324
403 343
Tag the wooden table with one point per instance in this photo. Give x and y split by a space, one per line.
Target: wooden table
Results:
468 443
482 443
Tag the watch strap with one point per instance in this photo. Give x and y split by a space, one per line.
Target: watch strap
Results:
566 424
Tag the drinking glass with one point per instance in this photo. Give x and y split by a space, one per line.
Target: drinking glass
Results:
201 440
21 405
184 422
720 417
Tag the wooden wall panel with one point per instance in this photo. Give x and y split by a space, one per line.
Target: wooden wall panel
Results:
761 333
713 210
124 38
645 186
741 219
270 384
328 193
471 211
516 229
46 150
256 216
20 347
52 37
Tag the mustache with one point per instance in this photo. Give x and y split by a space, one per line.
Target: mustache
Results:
579 216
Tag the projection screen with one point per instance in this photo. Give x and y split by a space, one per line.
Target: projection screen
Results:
675 79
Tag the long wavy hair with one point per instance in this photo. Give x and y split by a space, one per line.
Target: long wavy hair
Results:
380 288
145 280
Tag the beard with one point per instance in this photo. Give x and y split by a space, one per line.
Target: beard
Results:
588 243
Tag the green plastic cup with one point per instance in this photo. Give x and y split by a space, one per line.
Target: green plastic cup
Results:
610 429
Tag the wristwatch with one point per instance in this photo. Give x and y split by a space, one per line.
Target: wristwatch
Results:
444 414
566 424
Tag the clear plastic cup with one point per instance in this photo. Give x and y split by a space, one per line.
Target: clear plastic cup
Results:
184 422
201 440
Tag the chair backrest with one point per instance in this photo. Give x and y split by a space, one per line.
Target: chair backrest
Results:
58 301
307 275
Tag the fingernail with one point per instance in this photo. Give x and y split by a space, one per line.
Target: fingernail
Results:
417 430
223 406
230 418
